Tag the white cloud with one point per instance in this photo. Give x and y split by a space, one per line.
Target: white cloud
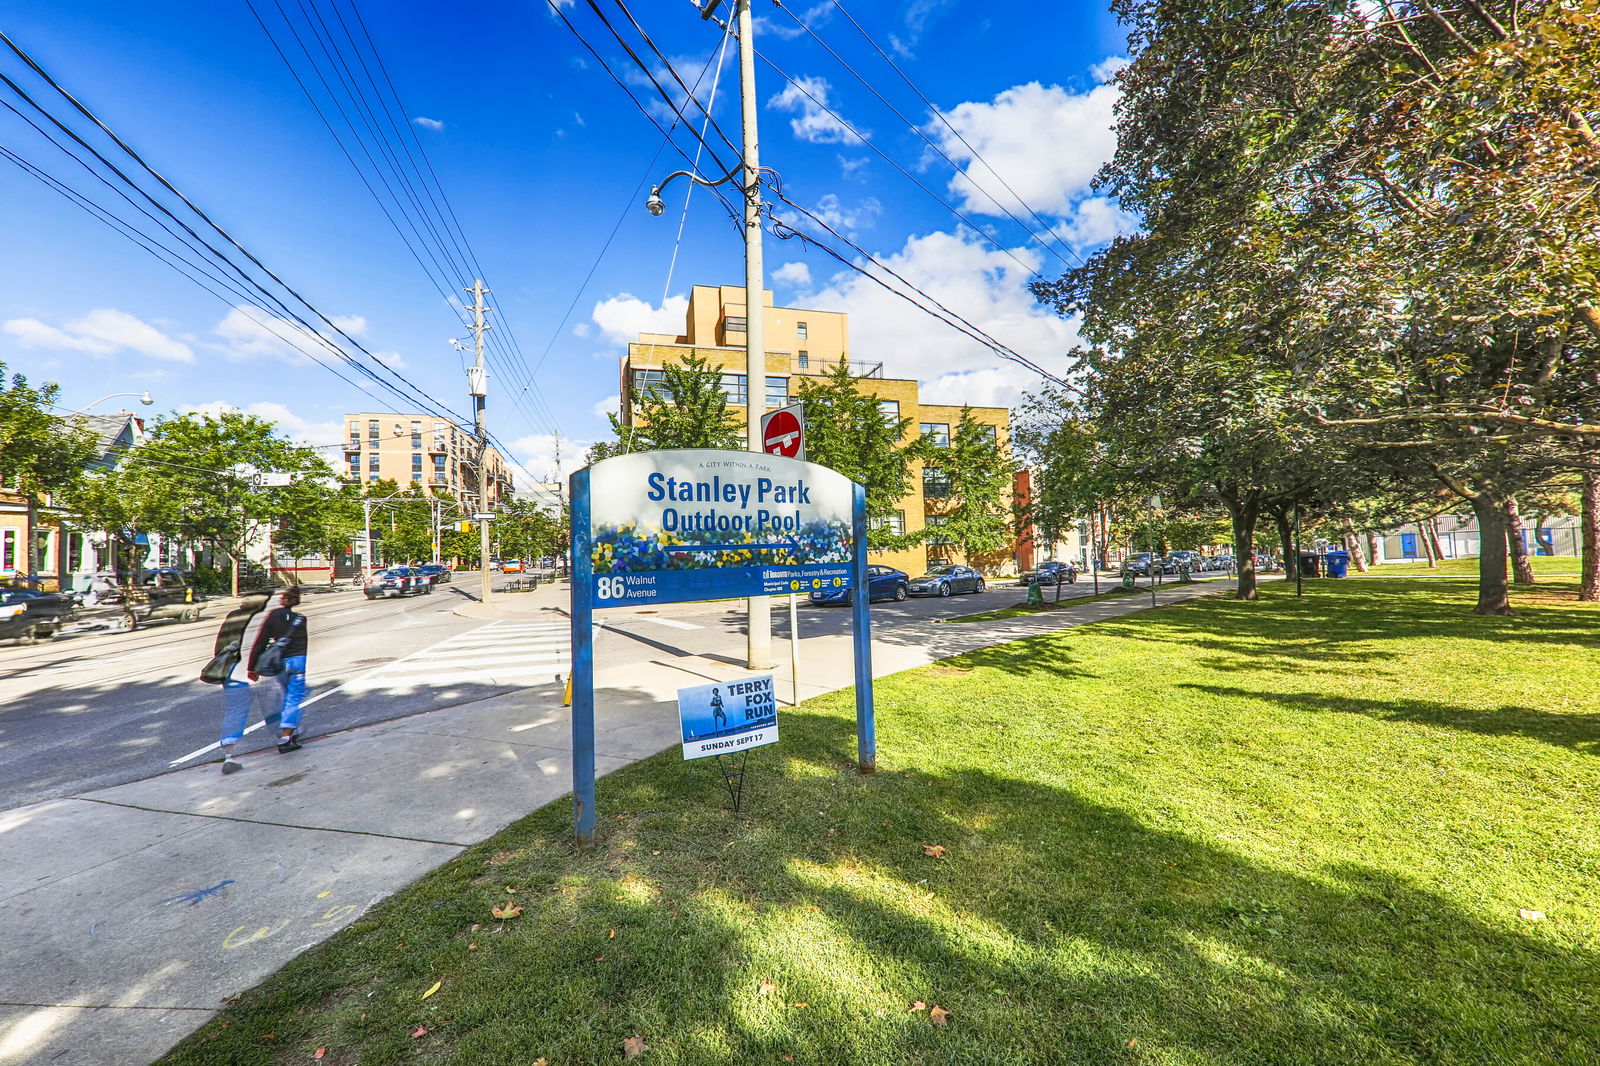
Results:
797 274
581 330
354 325
1096 220
101 332
249 332
982 285
428 123
1109 67
289 424
609 406
392 360
1044 142
815 125
788 29
622 318
537 454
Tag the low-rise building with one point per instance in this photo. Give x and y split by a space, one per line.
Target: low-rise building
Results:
803 343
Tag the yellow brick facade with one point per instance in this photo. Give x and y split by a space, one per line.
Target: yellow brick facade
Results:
420 451
802 342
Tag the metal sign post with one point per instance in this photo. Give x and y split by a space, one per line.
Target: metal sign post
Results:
698 524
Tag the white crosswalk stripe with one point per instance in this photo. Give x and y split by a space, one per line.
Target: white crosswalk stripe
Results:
498 653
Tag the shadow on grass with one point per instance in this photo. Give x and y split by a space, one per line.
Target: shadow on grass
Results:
1055 930
1578 732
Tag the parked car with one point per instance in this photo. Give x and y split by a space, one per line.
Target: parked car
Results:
124 608
511 566
27 615
946 580
1051 572
1192 560
397 581
884 583
1139 564
438 572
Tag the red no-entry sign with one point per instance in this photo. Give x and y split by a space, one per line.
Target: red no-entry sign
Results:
783 433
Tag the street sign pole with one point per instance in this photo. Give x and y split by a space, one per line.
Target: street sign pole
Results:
582 662
861 636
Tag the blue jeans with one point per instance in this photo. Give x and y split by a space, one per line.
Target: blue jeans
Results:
237 696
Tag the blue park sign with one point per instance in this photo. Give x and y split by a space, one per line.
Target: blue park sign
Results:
702 524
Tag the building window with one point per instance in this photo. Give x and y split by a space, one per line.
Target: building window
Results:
355 434
805 360
934 521
730 324
733 385
373 434
372 476
800 330
777 392
438 469
416 435
416 466
989 435
938 433
894 522
651 383
355 465
935 482
372 463
891 408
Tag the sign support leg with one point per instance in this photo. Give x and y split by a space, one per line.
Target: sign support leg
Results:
794 650
860 631
734 779
582 663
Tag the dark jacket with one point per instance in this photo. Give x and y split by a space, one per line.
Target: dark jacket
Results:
233 626
281 622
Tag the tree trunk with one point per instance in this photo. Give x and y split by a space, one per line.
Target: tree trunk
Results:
1354 541
1547 542
1372 547
1291 559
1433 537
1516 540
1493 589
1427 547
1589 535
1243 513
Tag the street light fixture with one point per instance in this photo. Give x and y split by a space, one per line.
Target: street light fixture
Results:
655 205
144 398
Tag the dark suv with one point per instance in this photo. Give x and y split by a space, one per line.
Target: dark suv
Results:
27 616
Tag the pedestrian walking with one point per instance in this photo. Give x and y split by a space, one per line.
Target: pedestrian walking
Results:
254 626
286 628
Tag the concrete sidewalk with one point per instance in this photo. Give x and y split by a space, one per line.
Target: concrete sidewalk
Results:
129 914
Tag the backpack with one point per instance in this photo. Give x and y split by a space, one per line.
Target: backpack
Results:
270 662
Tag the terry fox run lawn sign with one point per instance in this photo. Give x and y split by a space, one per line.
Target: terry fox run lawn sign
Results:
699 524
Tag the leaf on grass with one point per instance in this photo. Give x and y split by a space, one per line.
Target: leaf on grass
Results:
633 1047
472 947
767 988
510 910
540 1061
1134 1041
321 1051
918 1005
422 1030
802 1003
935 850
1532 916
611 935
938 1015
788 1058
436 986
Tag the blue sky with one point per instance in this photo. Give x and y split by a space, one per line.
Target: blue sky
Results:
540 155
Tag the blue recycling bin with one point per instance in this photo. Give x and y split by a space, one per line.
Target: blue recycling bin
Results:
1338 564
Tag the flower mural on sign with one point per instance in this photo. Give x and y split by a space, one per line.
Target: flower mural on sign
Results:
633 548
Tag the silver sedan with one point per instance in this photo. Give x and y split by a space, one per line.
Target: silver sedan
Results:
947 580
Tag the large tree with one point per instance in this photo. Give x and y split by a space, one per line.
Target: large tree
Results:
978 468
688 408
40 453
1393 205
848 430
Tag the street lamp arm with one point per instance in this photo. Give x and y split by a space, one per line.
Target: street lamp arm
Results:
655 206
144 398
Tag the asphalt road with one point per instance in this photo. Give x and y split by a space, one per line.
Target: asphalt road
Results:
94 710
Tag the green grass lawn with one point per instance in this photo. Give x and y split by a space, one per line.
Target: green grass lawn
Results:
1295 831
1543 566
